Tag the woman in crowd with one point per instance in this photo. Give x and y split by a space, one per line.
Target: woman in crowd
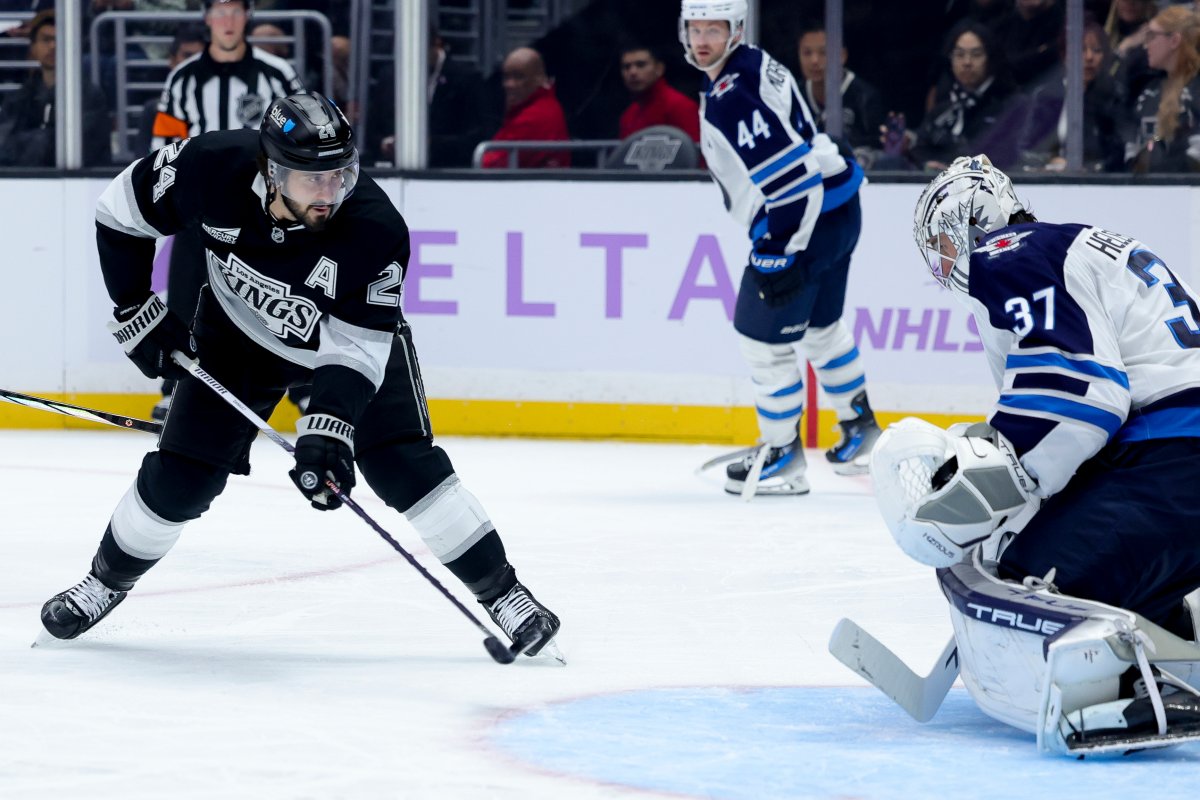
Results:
1043 142
1166 117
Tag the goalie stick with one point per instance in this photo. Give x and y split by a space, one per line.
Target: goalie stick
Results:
863 653
495 648
79 412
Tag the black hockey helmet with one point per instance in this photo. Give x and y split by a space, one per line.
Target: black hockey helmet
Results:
307 132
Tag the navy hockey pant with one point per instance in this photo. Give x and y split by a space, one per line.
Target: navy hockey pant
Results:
1125 531
826 266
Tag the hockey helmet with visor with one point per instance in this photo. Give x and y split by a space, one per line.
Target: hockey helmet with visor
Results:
963 204
732 11
308 147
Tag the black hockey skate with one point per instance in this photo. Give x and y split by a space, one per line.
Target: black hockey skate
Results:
1131 724
783 471
852 455
528 623
70 613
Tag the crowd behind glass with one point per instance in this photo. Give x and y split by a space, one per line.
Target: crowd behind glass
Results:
923 81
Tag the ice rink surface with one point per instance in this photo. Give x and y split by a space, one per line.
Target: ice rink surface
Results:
278 652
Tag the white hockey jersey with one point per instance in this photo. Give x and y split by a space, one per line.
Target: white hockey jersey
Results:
1091 340
776 171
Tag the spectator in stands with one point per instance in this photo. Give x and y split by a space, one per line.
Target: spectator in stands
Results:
458 111
655 102
277 44
531 113
27 118
189 40
152 50
862 108
1126 24
979 113
265 30
228 86
1167 113
338 14
1028 37
22 31
1126 28
1043 142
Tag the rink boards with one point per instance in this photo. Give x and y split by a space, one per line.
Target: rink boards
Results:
582 309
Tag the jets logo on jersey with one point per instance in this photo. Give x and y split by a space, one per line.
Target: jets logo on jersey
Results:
724 85
1003 244
226 235
280 311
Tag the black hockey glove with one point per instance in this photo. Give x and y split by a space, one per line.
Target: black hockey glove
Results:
782 284
149 332
323 451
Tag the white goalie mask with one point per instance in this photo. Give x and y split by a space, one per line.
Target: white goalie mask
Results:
732 11
968 200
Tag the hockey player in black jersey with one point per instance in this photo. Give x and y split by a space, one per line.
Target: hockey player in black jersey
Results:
305 260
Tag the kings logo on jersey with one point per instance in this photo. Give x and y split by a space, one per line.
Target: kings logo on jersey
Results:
280 311
1003 244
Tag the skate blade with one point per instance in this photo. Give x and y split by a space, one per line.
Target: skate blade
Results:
852 467
551 653
1121 745
48 641
779 489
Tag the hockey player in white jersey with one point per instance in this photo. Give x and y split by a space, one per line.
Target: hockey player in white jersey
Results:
797 194
1067 527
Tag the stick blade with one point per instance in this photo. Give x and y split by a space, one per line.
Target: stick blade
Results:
864 654
496 649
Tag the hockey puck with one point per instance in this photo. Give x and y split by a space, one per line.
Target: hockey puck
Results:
499 653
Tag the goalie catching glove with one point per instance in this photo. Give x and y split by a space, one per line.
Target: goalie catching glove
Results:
149 332
323 451
941 494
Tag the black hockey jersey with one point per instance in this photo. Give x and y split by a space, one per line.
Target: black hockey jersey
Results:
314 298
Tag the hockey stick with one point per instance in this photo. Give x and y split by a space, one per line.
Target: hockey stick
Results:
79 412
726 458
755 474
863 653
495 648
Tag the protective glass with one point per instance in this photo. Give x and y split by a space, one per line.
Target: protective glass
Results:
324 187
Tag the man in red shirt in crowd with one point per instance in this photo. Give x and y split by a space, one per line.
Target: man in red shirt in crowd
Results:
655 102
531 113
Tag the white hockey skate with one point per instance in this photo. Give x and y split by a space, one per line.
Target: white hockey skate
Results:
768 470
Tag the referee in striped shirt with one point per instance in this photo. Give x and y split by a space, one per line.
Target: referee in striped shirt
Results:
226 86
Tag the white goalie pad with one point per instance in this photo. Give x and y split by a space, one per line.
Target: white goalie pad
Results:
1031 657
937 518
